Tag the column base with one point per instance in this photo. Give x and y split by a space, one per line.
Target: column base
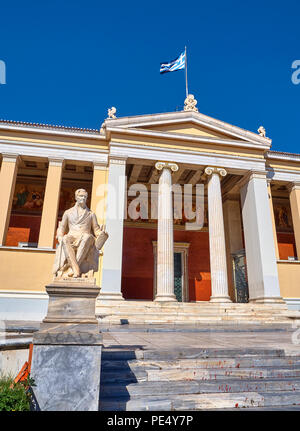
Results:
110 296
220 299
165 298
268 300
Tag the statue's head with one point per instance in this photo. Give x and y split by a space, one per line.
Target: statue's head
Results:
81 196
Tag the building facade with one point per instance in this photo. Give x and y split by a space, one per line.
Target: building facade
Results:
246 249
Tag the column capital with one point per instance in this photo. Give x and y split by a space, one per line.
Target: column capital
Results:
56 161
295 185
117 160
99 166
253 174
11 157
209 170
168 165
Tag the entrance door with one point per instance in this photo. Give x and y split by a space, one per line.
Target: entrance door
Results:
240 276
181 279
178 276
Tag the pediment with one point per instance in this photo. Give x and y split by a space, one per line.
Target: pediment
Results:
188 123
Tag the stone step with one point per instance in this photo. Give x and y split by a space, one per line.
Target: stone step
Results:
256 361
168 389
205 401
191 374
188 310
188 353
214 374
136 317
176 305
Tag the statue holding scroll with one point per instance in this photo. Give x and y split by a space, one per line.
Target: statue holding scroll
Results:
80 240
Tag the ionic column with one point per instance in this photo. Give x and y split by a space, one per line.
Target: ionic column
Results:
51 203
8 175
294 190
113 248
273 218
165 240
259 240
217 249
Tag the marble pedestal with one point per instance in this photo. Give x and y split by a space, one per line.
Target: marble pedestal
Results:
66 359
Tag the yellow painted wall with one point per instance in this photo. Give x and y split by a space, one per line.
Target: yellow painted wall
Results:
189 129
289 279
25 269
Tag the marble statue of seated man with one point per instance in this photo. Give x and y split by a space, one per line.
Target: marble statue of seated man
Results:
80 240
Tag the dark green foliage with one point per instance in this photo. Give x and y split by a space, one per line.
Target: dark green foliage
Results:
14 396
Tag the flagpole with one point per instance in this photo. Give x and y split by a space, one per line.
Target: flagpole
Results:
186 80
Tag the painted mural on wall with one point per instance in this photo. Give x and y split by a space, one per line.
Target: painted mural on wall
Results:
28 198
146 212
283 216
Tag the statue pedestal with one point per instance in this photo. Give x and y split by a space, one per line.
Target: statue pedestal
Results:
67 349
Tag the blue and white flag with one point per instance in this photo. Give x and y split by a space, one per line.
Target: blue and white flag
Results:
174 65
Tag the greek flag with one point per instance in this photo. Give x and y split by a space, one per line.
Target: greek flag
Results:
177 64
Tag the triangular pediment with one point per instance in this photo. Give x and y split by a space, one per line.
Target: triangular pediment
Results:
186 123
189 128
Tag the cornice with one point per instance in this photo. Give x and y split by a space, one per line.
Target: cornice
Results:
51 130
66 152
277 155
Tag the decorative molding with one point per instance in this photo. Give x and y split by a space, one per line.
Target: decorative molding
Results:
187 138
283 175
277 155
56 161
99 166
51 151
11 158
52 130
117 160
29 294
237 164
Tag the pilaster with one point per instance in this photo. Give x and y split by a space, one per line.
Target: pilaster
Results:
294 189
8 175
113 249
259 239
51 203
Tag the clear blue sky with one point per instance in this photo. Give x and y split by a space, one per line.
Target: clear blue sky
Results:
68 61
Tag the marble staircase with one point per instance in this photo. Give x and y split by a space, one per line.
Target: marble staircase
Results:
148 312
199 379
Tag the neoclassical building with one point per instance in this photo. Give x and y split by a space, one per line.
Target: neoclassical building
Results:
246 252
